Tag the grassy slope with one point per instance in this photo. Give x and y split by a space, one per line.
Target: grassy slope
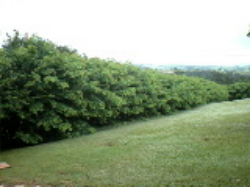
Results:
208 146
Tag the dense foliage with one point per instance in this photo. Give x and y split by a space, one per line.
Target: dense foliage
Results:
50 92
40 91
239 90
122 91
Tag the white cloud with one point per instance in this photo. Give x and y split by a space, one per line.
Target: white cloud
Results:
149 31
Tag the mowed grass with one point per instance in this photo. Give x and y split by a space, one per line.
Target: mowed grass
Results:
207 146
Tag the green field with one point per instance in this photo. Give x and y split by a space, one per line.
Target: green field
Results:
206 146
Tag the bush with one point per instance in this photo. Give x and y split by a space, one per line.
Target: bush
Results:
123 91
50 92
41 97
187 92
239 90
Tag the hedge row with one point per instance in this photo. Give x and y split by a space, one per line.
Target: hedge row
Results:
122 91
50 92
239 90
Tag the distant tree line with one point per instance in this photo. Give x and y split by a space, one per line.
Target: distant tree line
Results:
221 77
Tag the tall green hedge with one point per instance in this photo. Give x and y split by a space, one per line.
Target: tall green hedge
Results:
123 91
50 92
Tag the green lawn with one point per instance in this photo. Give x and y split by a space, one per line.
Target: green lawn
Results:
207 146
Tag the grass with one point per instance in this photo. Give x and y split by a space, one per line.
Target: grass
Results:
207 146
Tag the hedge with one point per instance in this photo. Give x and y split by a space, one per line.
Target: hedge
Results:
49 92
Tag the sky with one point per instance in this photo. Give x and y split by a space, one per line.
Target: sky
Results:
159 32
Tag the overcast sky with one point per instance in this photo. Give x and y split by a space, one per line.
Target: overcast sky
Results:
140 31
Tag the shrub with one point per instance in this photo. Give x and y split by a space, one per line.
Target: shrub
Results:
123 91
187 92
239 90
41 97
50 92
